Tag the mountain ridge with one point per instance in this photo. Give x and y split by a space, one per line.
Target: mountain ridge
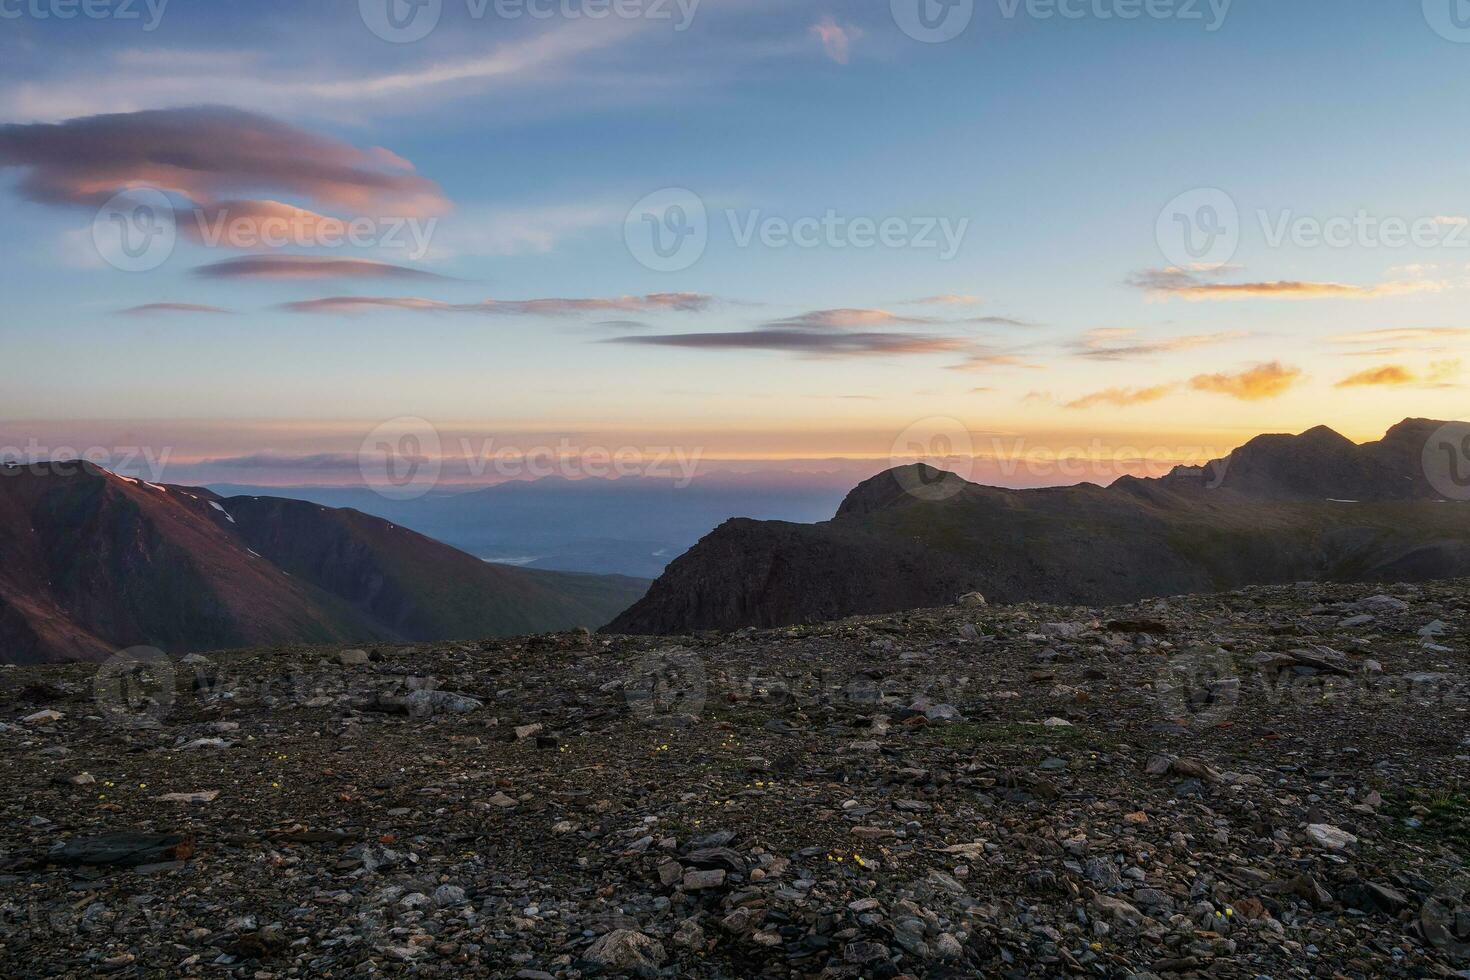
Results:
97 562
1280 508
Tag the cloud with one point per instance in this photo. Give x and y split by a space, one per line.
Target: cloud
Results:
1116 343
1397 374
1388 374
135 79
944 299
148 308
207 154
844 318
1188 285
998 321
849 317
652 303
307 267
802 342
365 304
523 231
1258 383
1121 397
1402 335
991 359
836 38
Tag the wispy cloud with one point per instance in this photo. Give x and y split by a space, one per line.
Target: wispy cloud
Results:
365 304
522 231
308 267
1255 384
944 299
1190 285
150 308
262 82
836 39
846 318
1121 397
835 343
554 306
998 321
1123 343
1405 336
980 360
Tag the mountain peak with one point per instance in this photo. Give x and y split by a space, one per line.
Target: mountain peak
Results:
900 486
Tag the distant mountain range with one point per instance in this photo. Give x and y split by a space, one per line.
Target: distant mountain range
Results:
1281 508
630 526
94 562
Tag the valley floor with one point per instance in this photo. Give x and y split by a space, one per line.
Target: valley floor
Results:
1267 782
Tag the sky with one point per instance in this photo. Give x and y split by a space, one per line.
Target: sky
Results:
261 241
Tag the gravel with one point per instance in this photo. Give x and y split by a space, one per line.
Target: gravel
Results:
1268 782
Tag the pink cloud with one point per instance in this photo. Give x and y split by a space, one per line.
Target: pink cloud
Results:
308 267
554 306
207 154
802 342
150 308
846 317
836 39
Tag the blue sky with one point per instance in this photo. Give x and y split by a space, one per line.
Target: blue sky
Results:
1055 142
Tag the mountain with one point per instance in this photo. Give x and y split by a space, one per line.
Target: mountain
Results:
629 526
96 562
1320 464
1281 508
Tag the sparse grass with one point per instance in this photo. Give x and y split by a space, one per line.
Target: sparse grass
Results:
1448 820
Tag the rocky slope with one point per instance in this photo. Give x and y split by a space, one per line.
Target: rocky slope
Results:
94 562
1279 509
1267 782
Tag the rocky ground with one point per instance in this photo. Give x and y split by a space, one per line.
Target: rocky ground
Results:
1269 782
